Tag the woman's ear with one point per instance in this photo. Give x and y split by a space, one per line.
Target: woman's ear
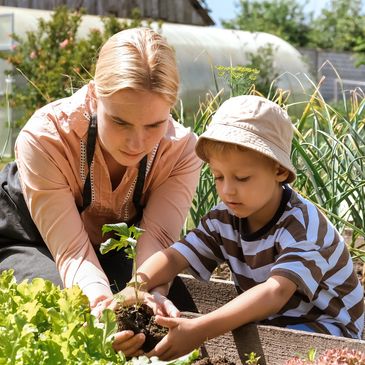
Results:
281 173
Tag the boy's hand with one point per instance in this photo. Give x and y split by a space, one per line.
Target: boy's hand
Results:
183 337
161 305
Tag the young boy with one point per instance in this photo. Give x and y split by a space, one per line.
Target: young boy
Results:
292 266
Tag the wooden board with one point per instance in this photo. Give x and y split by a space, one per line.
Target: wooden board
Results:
274 345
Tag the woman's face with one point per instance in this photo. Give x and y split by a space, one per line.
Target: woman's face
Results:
131 123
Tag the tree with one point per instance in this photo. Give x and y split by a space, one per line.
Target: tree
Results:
52 61
341 27
284 18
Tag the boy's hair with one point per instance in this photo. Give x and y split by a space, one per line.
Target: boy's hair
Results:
255 123
210 148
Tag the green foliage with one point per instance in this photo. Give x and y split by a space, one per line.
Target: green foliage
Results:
128 237
329 155
206 196
284 18
263 60
42 324
52 61
341 26
252 359
240 79
328 152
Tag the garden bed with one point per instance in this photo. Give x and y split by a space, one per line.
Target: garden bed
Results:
274 345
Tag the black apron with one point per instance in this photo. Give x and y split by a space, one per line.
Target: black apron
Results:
22 247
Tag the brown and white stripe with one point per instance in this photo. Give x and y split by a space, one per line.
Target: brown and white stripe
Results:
302 245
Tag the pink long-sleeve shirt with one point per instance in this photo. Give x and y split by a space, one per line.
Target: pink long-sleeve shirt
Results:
51 157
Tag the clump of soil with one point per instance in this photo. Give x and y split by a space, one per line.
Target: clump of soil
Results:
213 360
140 319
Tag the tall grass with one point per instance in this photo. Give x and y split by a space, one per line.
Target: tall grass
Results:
329 155
328 152
206 196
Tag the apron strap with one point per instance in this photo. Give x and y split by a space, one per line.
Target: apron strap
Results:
90 150
137 194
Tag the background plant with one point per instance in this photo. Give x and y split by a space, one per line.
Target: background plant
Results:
284 18
240 80
263 61
328 152
339 26
329 155
51 62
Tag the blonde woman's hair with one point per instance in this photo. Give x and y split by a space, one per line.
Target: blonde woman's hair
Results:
138 59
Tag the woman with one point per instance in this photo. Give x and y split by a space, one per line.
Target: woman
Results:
109 153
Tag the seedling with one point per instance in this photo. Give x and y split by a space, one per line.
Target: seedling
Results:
128 237
252 359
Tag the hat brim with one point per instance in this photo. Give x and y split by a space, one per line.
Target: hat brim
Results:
225 134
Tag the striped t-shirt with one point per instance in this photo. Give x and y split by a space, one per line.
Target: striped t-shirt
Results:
299 243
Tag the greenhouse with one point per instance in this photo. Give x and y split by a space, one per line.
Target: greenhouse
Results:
199 50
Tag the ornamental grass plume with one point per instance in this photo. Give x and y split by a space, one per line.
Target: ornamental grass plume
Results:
343 356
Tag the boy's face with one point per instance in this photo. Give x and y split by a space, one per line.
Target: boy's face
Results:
249 184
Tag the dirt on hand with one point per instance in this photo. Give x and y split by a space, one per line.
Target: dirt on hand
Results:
140 319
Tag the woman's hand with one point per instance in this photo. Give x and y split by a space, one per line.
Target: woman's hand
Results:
129 343
183 337
97 306
125 341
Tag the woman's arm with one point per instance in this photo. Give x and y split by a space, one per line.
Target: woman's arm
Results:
43 170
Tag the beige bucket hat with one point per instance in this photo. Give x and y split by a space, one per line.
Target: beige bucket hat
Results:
253 122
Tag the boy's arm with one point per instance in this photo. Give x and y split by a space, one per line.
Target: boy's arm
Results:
155 274
160 269
253 305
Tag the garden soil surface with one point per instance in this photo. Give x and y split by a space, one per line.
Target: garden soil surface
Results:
213 360
140 319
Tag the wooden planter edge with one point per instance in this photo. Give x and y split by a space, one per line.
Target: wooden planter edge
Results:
274 345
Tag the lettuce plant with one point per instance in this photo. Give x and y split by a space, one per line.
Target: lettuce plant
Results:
42 324
45 325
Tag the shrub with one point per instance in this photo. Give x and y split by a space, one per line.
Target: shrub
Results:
51 61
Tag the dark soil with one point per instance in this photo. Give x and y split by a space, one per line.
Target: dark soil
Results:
140 319
213 360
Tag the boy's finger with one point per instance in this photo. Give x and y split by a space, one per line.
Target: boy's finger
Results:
168 322
170 309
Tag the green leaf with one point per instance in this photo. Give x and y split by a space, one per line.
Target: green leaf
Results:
119 228
111 244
